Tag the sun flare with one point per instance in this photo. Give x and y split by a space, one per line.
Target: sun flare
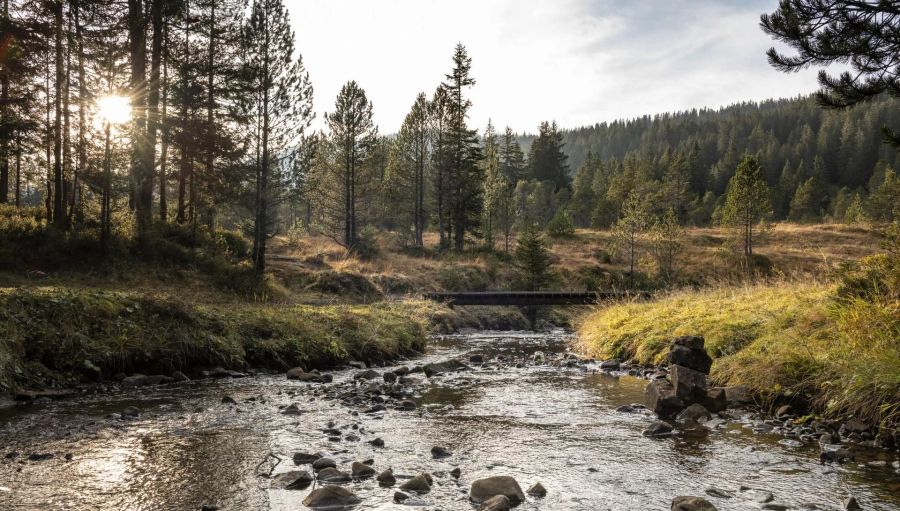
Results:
114 109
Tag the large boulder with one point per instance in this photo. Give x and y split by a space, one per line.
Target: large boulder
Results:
298 374
332 475
690 385
662 400
689 352
330 497
691 504
484 489
360 470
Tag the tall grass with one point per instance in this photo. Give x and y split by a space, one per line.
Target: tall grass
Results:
799 340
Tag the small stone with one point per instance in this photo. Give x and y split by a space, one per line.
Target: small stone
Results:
851 504
302 458
292 409
406 405
130 412
293 480
361 470
495 503
658 429
400 496
455 473
332 475
368 374
537 490
610 365
330 497
483 489
439 452
228 400
323 463
378 442
686 503
389 377
718 492
386 478
418 484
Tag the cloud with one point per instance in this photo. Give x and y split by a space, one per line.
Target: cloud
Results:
576 61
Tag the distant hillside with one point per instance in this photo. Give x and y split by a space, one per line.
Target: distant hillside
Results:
783 130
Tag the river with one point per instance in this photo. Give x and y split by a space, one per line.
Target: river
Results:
538 423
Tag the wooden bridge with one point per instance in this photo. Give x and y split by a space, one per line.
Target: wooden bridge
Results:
530 298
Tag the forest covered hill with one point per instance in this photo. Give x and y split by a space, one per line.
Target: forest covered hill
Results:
817 162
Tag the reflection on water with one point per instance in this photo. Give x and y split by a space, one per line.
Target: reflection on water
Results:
536 423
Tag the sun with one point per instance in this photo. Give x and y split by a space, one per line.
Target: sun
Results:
114 109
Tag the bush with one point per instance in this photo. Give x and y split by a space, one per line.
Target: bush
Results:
233 243
561 225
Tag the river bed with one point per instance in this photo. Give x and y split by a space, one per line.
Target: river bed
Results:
538 423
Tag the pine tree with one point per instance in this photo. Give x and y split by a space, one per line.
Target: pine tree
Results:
630 228
666 242
407 172
746 202
280 105
512 159
496 186
464 177
346 166
862 34
546 159
533 259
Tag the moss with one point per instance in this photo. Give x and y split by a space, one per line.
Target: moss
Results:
795 339
49 333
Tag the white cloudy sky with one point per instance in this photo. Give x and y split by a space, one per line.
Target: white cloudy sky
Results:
575 61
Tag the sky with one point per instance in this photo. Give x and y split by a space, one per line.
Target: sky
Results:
578 62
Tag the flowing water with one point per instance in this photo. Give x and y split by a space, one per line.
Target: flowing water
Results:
536 423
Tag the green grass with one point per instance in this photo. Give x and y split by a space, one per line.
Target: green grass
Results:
49 334
795 339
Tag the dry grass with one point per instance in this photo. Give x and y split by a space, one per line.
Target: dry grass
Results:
794 339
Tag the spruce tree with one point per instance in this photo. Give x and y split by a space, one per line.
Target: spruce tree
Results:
746 203
464 177
546 159
280 106
533 259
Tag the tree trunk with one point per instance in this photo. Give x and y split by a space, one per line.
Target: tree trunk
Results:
59 217
153 120
144 147
164 122
211 103
76 210
5 120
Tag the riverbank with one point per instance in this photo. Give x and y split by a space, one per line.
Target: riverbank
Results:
62 336
793 343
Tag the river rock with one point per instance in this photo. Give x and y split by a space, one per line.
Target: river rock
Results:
483 489
658 429
495 503
401 371
439 452
537 490
293 480
760 496
690 385
851 504
783 411
662 400
455 473
716 400
389 377
332 475
330 497
157 379
695 412
292 409
228 400
386 478
399 496
356 364
378 442
361 470
691 504
476 359
611 365
302 458
323 463
738 396
447 366
135 380
689 352
406 405
418 484
368 374
131 412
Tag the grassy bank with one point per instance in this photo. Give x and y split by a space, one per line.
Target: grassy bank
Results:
797 341
54 335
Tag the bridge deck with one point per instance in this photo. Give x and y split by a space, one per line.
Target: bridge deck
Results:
525 298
